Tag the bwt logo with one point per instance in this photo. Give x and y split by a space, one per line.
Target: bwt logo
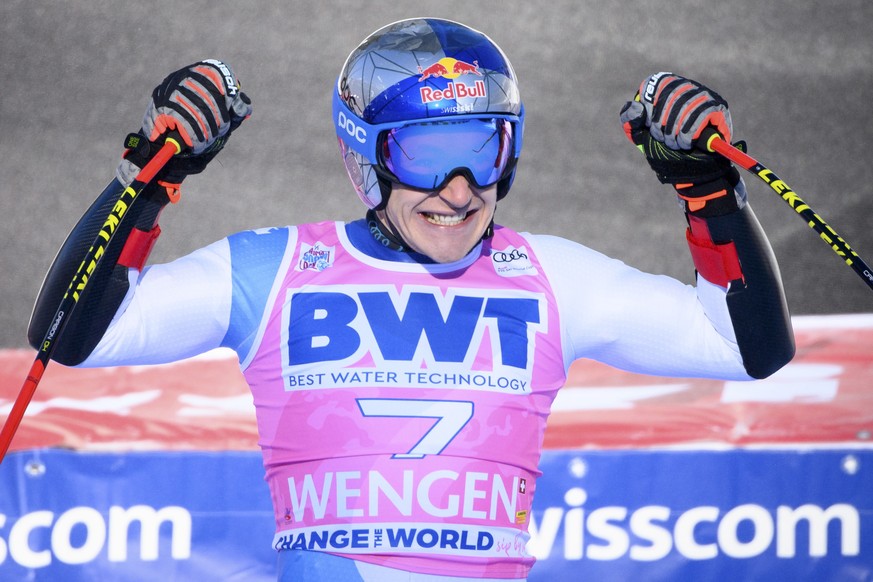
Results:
342 324
69 546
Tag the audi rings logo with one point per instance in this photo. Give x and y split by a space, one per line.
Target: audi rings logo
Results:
508 256
512 262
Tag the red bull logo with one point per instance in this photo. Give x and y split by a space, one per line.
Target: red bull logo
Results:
450 68
453 91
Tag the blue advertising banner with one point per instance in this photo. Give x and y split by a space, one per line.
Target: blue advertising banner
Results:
745 515
733 514
134 516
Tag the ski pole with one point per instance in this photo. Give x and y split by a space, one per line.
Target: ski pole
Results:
714 143
80 280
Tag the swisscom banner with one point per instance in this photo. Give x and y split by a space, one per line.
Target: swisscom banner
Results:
599 515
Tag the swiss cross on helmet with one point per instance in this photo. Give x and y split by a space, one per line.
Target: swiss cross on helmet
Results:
422 100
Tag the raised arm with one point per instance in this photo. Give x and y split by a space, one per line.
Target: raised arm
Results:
728 245
200 105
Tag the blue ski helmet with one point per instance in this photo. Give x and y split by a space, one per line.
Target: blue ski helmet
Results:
417 72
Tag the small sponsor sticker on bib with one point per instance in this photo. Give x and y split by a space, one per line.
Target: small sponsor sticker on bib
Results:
316 257
512 262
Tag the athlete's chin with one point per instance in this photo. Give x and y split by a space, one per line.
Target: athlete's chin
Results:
450 251
445 258
446 244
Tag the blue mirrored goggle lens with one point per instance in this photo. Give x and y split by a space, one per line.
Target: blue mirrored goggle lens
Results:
425 155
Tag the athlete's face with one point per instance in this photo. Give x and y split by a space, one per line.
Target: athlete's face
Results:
443 224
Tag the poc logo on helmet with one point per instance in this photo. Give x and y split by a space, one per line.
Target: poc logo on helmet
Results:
359 133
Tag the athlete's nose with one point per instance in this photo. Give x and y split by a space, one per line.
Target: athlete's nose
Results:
457 193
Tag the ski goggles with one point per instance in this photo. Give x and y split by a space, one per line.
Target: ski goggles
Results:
427 155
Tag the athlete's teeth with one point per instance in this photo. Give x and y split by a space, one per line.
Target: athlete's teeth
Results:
445 220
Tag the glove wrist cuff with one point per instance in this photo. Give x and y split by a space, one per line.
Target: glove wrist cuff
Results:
712 198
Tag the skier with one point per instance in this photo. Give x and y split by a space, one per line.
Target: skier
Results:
403 365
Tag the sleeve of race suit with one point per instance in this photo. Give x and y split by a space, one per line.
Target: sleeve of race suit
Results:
216 296
636 321
213 297
108 283
172 311
732 251
733 325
